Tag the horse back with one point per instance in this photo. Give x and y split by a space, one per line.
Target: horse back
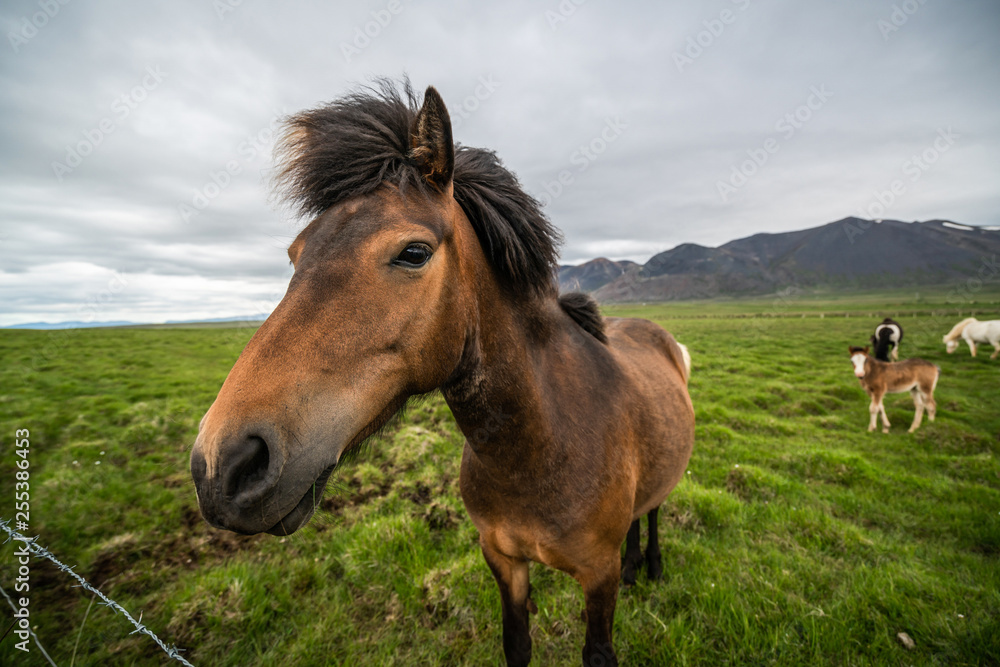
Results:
902 375
634 339
656 368
981 331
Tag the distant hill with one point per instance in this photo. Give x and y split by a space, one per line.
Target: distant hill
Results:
593 274
258 317
851 253
74 324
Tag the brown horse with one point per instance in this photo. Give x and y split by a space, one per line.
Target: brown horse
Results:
879 378
427 266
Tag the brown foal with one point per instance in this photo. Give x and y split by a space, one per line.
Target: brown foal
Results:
427 266
879 378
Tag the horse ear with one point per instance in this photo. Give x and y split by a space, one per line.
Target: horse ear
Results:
866 349
431 145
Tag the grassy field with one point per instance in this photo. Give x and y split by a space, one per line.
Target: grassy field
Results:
797 538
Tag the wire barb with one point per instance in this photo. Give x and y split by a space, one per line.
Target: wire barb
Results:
31 543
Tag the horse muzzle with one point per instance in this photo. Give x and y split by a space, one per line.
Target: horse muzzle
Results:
246 483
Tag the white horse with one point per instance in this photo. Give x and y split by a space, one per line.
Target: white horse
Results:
974 331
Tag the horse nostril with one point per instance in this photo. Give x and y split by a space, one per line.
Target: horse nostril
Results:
198 466
248 468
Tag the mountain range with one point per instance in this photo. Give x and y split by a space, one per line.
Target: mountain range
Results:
76 324
850 253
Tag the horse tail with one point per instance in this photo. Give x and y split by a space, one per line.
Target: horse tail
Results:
687 361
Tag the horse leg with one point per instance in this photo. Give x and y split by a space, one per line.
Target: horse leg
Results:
633 554
895 352
972 346
654 562
600 593
885 417
512 580
928 398
996 349
918 403
873 412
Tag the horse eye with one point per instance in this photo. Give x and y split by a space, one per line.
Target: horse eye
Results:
414 255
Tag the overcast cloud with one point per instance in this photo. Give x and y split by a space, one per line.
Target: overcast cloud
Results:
136 137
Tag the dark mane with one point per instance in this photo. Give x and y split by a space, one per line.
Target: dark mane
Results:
585 312
350 147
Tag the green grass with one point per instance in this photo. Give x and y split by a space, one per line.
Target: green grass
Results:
797 538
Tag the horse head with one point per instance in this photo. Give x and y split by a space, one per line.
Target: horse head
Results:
377 310
859 355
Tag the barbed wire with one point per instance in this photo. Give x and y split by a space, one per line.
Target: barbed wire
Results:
30 631
41 552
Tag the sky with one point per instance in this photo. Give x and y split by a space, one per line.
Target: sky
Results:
135 138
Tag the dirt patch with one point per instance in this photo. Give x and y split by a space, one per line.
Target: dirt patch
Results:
51 582
420 494
440 517
990 549
681 518
123 559
351 494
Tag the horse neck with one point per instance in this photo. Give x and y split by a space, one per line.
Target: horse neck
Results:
960 328
496 391
873 367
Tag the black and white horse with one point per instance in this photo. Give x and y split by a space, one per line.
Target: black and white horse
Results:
886 339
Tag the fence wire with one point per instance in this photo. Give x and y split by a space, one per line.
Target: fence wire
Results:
41 552
30 631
